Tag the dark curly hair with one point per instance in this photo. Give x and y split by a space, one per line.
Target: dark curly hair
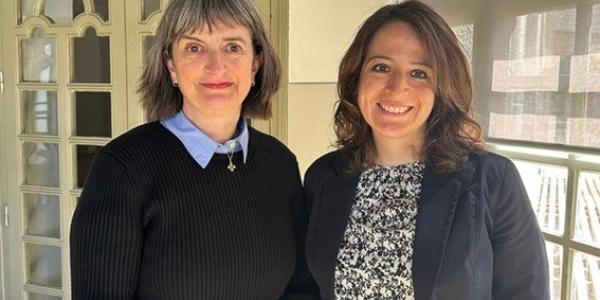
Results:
451 132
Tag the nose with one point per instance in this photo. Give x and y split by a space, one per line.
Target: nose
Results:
214 62
396 83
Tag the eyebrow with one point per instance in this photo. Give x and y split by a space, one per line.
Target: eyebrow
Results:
420 63
227 39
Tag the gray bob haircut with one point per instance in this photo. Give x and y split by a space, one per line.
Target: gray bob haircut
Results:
162 100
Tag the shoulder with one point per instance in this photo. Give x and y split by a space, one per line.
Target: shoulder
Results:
484 171
142 134
488 159
144 141
490 166
326 164
324 168
268 146
498 179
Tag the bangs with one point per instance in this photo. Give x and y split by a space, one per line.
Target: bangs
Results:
194 15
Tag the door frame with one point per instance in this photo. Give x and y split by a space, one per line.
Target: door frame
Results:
13 252
11 276
3 161
275 15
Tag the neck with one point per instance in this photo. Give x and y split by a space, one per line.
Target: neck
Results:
391 152
220 128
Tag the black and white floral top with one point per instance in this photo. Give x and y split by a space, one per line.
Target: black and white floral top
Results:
375 257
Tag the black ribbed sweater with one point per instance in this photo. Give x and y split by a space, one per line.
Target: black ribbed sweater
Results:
152 224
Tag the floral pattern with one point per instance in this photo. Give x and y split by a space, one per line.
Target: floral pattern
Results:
375 257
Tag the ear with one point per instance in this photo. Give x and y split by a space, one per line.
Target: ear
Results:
258 61
171 68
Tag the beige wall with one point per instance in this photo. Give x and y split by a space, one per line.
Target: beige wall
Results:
319 33
310 120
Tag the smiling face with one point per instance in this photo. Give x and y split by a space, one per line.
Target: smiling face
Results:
214 69
395 92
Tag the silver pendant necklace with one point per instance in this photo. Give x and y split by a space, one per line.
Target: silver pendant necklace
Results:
231 145
231 166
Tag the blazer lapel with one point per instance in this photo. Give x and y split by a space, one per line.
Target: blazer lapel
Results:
439 196
334 209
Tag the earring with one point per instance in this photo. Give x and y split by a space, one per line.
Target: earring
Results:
252 83
174 84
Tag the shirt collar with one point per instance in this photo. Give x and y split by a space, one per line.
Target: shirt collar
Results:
200 146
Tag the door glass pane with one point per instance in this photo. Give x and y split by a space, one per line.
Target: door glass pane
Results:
148 42
63 11
92 114
150 6
42 215
546 187
555 255
26 7
91 58
587 226
41 164
101 8
39 112
34 296
43 265
85 157
38 58
585 284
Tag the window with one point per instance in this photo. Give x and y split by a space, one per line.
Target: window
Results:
536 70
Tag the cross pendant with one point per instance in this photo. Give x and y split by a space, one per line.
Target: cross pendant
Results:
231 167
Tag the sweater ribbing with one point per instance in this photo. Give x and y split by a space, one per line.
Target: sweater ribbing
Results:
152 224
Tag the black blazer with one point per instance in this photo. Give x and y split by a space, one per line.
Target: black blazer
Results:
476 234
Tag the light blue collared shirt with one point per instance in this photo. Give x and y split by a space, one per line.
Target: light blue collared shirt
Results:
200 146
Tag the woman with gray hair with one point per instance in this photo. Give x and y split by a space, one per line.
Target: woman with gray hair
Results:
196 204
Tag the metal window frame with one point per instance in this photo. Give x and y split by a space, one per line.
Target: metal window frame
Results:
567 156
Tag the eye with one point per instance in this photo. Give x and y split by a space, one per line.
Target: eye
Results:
192 48
381 68
418 74
234 48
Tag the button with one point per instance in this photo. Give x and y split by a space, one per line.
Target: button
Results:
231 145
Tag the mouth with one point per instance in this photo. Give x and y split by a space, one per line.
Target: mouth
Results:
218 85
394 109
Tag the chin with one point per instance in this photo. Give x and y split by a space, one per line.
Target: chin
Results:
399 133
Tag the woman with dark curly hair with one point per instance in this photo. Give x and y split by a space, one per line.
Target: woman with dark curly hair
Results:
411 206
